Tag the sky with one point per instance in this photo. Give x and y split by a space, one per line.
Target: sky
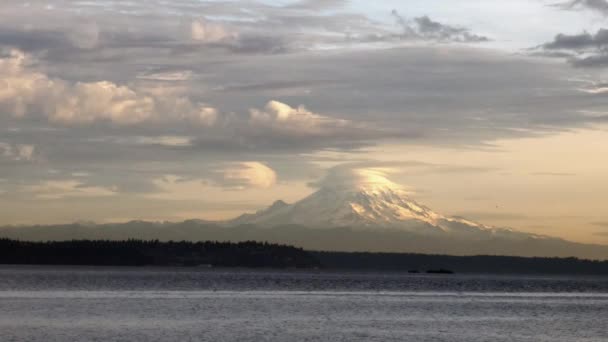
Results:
170 110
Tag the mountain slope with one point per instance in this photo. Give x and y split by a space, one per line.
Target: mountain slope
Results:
380 205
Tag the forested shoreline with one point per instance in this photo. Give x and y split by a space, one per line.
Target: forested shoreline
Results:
252 254
154 253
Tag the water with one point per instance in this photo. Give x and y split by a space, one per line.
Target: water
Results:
128 304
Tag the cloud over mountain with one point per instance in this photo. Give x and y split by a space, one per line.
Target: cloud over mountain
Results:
357 177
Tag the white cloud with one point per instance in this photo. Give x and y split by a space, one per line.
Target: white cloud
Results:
208 32
166 140
298 121
173 76
28 94
25 92
173 187
19 152
596 88
61 189
250 174
355 177
80 174
88 102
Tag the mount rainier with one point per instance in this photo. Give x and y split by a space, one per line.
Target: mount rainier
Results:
352 210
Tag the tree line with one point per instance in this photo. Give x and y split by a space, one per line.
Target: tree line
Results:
252 254
141 253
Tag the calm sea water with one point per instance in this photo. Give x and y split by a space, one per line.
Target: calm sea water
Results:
128 304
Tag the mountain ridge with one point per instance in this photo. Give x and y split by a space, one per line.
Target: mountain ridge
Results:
383 206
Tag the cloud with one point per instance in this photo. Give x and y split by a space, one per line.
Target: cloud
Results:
276 86
85 36
252 174
18 152
317 4
31 97
599 60
175 29
366 173
61 189
208 32
219 36
399 98
34 40
600 6
25 93
425 28
243 175
232 175
166 140
578 42
581 50
596 88
357 176
170 76
257 44
280 117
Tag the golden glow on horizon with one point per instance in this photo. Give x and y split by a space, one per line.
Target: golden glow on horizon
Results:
553 185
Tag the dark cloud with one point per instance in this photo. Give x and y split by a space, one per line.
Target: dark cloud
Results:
580 41
600 6
427 29
257 44
595 61
34 40
581 50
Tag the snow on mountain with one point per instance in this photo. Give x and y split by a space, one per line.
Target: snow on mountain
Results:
364 199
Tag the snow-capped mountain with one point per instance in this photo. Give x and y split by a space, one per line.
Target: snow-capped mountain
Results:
370 202
352 211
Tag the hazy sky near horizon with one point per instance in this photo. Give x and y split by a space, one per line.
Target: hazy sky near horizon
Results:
168 110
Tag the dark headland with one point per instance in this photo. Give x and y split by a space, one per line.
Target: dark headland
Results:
266 255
